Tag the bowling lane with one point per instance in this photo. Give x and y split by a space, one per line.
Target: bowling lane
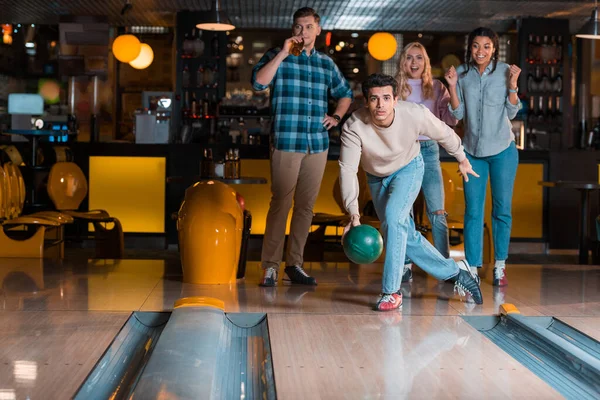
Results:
46 355
588 325
393 356
553 290
344 288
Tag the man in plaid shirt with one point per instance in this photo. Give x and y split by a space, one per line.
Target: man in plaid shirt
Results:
300 86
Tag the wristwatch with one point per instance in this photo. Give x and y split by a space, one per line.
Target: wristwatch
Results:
336 117
515 90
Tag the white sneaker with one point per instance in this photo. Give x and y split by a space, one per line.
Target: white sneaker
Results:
269 278
475 273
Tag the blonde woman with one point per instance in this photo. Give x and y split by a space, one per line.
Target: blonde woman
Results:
417 86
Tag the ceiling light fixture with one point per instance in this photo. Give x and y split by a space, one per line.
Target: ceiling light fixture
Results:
382 46
216 19
591 29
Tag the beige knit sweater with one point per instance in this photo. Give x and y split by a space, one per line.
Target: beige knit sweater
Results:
382 151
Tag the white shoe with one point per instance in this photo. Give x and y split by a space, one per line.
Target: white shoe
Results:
475 273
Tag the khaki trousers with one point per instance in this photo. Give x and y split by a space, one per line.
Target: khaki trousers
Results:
297 177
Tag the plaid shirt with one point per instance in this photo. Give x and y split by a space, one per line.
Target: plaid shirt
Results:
299 94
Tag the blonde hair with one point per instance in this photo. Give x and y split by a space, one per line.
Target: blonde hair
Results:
402 77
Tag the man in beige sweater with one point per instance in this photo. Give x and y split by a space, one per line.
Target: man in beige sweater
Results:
383 138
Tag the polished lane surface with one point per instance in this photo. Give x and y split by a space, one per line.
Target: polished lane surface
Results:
56 320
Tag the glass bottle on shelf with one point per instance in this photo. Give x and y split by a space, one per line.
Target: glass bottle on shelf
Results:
538 50
531 116
200 76
531 80
540 111
538 84
557 85
237 164
206 105
198 44
185 111
216 106
553 53
185 77
215 76
187 46
531 50
207 77
558 110
206 164
545 50
214 45
228 164
545 81
194 106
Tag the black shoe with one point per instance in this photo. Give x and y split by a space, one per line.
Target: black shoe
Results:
297 275
407 275
464 282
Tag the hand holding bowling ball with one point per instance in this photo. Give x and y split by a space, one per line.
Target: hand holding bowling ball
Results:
354 221
363 244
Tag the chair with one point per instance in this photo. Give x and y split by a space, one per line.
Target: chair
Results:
42 234
67 188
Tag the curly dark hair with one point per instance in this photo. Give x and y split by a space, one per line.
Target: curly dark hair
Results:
306 12
379 80
487 32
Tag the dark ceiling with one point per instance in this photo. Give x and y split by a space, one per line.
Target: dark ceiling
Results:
391 15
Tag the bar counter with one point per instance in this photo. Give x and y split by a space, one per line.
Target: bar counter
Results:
131 182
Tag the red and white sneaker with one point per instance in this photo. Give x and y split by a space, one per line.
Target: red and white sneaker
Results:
389 302
500 278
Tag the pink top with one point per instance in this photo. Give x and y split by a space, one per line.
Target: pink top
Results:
438 105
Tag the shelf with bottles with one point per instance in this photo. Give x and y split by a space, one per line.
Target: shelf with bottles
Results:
206 77
194 108
226 164
544 49
252 116
231 111
544 80
200 45
200 74
545 109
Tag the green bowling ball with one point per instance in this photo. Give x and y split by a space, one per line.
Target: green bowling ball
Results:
363 244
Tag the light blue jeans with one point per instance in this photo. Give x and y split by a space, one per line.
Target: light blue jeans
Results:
433 191
502 170
393 197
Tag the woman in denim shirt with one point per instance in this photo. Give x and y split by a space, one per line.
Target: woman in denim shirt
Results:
483 92
416 85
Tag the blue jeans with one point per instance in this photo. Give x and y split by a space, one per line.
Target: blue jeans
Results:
393 197
502 170
433 191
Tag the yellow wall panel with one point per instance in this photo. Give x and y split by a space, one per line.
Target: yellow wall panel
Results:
528 206
527 199
131 189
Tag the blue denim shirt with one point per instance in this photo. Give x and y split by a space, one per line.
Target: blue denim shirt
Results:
486 110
